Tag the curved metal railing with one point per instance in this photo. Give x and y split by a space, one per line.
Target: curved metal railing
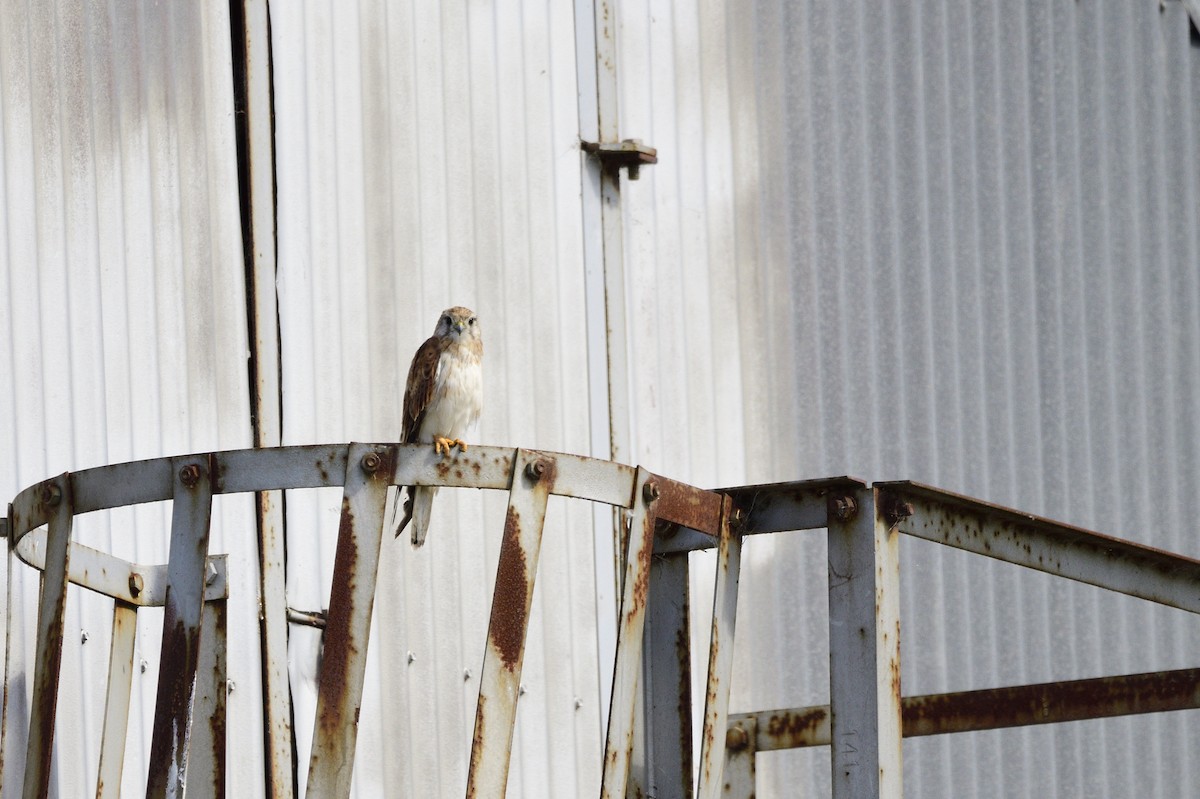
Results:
187 743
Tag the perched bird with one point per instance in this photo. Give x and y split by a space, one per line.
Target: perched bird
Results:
443 397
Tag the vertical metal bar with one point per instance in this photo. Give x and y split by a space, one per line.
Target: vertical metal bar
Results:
256 139
604 289
496 711
12 745
740 755
355 570
720 656
116 701
56 496
206 750
180 658
634 594
667 681
864 648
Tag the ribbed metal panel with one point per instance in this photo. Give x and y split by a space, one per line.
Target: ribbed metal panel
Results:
124 326
953 242
428 156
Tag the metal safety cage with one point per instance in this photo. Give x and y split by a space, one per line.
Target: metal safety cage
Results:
648 748
188 745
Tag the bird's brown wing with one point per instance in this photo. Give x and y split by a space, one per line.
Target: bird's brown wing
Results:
419 389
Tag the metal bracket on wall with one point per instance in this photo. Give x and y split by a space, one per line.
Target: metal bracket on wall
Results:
630 154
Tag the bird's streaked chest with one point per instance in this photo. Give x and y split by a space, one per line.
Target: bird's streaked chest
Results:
457 393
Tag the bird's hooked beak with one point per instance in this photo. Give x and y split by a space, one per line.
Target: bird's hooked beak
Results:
458 327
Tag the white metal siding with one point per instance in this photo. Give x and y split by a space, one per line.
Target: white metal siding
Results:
124 335
950 242
427 157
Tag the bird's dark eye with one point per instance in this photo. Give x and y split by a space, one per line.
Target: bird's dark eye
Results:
472 320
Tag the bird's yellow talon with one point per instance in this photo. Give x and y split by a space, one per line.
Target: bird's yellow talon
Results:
461 444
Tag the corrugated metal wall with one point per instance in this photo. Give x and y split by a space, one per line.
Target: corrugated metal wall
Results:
124 334
953 242
427 157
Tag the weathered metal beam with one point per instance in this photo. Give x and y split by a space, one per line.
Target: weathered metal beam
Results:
57 506
864 648
181 641
720 654
1047 545
499 684
667 682
135 583
116 700
206 748
768 508
634 595
351 601
995 708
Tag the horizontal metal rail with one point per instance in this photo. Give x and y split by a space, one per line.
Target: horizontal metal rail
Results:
987 709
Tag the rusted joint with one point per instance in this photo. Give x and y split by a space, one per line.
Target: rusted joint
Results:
371 462
190 475
895 510
136 584
51 494
650 492
736 738
535 470
842 507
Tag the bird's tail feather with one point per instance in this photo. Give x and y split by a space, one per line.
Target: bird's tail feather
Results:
416 509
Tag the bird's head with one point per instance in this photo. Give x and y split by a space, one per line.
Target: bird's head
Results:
458 323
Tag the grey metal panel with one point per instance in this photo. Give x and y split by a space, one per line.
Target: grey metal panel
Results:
122 320
948 242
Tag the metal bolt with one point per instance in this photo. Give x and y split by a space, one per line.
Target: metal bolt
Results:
51 494
521 690
534 470
411 658
466 674
136 584
371 462
578 703
843 508
189 475
143 665
896 510
650 492
230 686
83 636
210 573
737 518
736 738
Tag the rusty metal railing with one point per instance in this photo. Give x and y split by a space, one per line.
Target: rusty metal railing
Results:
648 749
867 717
187 748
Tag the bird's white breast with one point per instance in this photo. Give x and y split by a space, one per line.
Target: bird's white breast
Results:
457 395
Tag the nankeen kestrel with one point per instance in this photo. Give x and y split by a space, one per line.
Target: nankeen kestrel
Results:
443 398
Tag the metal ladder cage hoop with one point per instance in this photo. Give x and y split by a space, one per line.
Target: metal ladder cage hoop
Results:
193 588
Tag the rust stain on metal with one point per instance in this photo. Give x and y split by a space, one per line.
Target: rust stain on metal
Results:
338 643
689 506
796 728
507 628
1044 703
683 706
